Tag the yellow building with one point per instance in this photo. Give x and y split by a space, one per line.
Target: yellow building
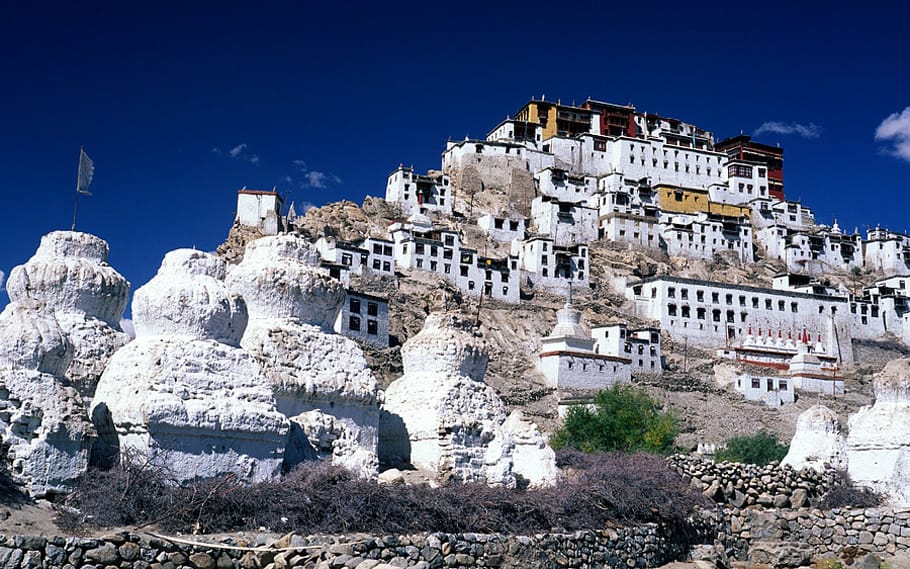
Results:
556 119
673 199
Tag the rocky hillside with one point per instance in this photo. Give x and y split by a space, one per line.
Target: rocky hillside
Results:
710 412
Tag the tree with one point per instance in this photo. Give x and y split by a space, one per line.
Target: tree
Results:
624 419
761 448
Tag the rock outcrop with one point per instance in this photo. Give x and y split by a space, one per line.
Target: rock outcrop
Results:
320 380
183 394
818 441
878 444
70 275
441 417
45 431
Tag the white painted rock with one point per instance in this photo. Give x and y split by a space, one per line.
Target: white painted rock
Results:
43 426
279 277
199 407
316 435
31 338
188 298
818 441
441 417
70 274
310 370
879 435
444 346
45 430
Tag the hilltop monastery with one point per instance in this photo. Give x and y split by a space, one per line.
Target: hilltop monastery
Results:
600 171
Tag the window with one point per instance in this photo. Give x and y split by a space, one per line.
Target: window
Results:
794 307
671 309
715 297
700 313
780 305
346 259
354 305
354 323
419 263
376 264
387 266
700 295
742 300
470 285
372 309
767 304
464 271
756 383
377 249
715 315
372 327
685 294
754 302
419 249
685 312
671 292
387 250
783 385
729 299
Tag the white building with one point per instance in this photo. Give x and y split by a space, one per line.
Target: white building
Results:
259 208
642 346
381 255
338 252
552 268
569 361
503 228
773 391
811 251
628 211
704 235
421 246
416 193
566 223
564 186
364 317
887 252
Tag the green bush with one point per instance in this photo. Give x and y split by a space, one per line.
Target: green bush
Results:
623 419
761 448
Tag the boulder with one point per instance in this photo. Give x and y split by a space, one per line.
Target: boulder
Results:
183 394
879 435
69 274
441 417
320 379
818 441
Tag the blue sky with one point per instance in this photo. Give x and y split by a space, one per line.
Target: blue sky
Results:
181 103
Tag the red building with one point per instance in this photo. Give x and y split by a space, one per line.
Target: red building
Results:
742 147
615 120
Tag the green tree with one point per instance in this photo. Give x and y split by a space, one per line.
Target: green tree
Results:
624 419
760 448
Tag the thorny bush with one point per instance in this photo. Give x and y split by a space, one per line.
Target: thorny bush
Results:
845 494
596 491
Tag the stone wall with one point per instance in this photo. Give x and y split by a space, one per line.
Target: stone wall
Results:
741 485
647 545
791 537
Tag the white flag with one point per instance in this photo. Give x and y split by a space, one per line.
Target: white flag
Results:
86 171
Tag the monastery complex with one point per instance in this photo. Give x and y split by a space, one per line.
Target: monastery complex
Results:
601 172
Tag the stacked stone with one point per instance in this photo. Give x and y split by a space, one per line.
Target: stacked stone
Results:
740 485
777 536
647 545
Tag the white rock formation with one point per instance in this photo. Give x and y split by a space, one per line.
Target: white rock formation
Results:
878 444
441 417
320 379
818 441
182 394
70 275
43 423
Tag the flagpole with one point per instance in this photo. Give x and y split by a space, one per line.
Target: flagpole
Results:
76 198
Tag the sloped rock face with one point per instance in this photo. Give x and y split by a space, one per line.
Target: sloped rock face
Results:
441 417
320 380
70 275
818 441
183 394
43 424
878 444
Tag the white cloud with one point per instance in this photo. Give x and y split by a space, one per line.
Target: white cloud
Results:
895 130
313 178
127 326
238 153
810 130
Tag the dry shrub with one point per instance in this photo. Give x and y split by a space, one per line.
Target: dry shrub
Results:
600 490
845 494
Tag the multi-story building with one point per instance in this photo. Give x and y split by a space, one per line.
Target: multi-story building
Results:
566 223
419 193
364 317
259 208
552 268
887 252
743 151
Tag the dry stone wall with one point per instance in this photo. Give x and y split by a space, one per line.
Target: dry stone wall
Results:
647 545
741 485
